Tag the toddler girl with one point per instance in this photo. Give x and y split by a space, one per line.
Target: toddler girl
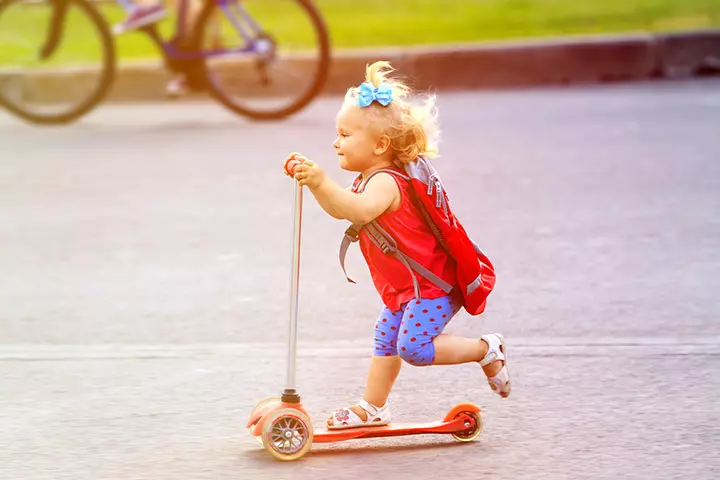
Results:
379 128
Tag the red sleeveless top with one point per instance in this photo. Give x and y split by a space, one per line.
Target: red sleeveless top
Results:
415 239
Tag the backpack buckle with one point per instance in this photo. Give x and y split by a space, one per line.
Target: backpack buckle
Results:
352 233
386 247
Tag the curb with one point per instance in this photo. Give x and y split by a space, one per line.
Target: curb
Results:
564 61
510 64
573 60
687 54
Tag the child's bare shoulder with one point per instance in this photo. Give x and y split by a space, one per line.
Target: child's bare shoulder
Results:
382 181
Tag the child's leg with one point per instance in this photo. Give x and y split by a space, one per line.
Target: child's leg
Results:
421 341
452 350
423 320
384 364
381 377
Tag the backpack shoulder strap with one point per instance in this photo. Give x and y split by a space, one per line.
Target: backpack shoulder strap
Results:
351 236
364 182
387 244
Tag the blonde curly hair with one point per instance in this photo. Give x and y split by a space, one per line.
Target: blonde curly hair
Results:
412 127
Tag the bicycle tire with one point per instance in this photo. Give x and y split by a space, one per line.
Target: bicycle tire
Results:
106 79
315 87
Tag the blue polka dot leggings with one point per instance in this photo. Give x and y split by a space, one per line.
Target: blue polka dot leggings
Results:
410 331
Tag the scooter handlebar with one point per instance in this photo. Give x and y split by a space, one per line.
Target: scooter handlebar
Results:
290 164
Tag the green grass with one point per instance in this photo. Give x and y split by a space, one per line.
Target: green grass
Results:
410 22
368 23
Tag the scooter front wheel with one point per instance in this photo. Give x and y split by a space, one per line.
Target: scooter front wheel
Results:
264 402
287 434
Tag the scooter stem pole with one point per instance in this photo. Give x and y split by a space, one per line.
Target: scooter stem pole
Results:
294 286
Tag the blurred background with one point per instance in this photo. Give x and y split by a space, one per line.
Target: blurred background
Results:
421 22
375 23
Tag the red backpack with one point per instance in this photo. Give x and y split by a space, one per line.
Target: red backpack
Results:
475 273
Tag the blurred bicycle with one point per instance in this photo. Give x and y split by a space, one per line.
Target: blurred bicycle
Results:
265 59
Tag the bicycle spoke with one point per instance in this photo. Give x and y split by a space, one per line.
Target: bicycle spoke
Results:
286 70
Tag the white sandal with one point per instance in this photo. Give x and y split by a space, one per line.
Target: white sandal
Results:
346 418
500 383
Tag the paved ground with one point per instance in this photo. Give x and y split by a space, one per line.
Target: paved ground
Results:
143 296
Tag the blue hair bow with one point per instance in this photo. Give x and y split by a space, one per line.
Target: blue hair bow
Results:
369 93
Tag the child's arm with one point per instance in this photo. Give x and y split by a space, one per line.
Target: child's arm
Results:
379 194
361 209
327 205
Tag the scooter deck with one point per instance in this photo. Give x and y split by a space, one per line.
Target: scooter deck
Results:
393 430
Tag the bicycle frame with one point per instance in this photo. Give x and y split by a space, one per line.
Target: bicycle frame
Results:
174 54
242 22
55 29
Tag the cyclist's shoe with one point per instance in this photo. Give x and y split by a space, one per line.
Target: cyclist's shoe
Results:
177 87
140 17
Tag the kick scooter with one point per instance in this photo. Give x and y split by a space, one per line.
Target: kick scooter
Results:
283 426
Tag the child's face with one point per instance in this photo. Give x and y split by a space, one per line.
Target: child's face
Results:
355 143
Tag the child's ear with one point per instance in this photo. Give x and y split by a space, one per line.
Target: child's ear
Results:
382 145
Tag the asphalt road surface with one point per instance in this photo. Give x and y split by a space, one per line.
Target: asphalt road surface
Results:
144 284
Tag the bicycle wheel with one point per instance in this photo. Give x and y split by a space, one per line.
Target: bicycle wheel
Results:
48 82
265 59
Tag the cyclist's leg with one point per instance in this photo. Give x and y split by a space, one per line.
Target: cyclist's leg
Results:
126 4
140 14
180 85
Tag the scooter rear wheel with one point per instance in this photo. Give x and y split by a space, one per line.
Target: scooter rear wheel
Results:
473 430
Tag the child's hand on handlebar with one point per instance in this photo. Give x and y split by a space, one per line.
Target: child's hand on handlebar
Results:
291 163
305 171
